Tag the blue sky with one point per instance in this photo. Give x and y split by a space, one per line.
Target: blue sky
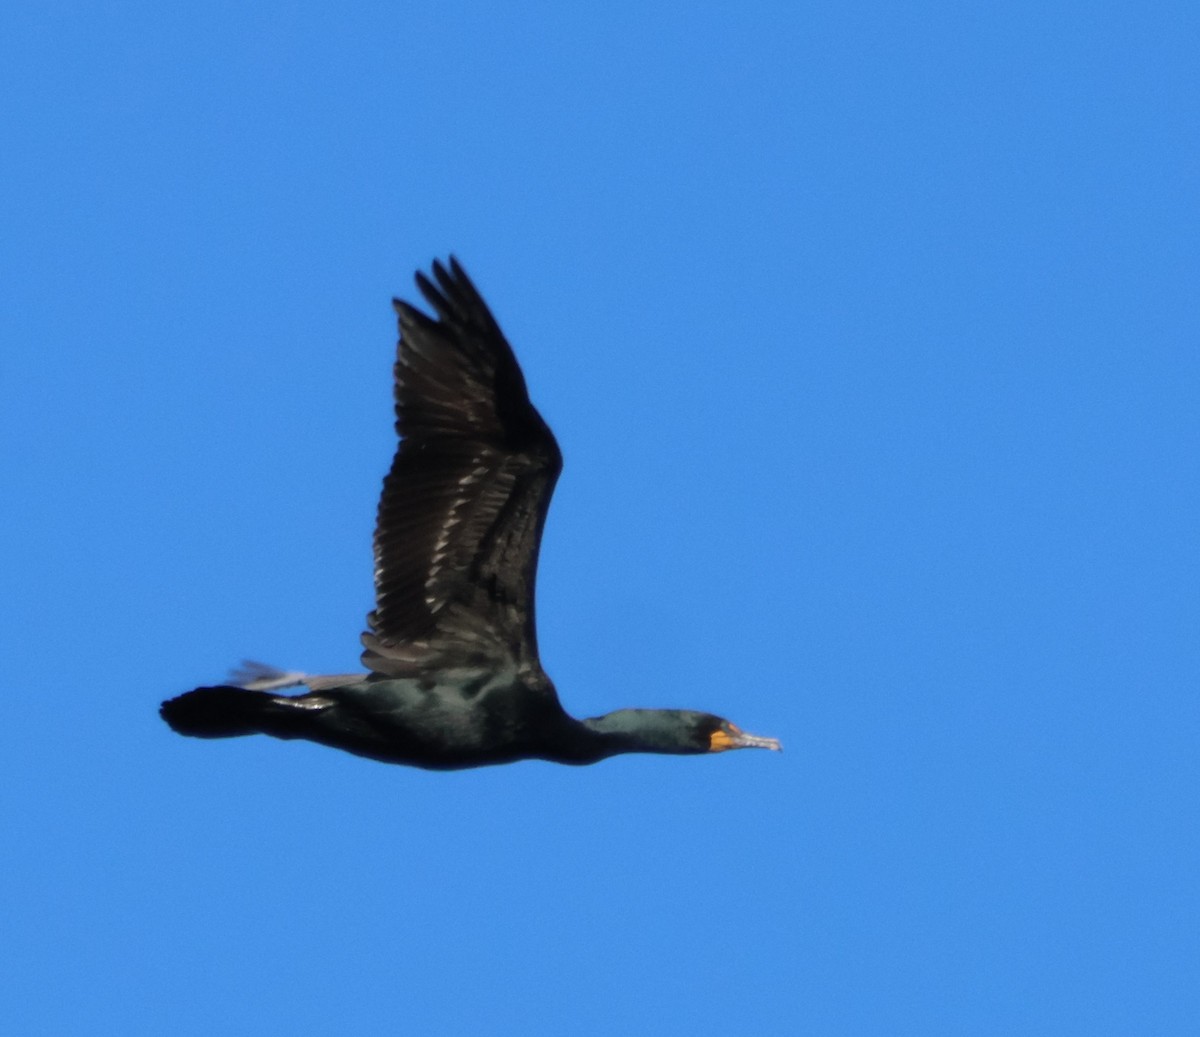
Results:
870 336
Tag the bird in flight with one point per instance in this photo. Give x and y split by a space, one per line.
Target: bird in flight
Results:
454 676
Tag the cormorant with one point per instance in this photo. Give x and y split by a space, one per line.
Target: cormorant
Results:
455 680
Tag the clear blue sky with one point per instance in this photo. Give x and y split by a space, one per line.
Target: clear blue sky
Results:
870 334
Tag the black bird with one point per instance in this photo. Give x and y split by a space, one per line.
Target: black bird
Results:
455 680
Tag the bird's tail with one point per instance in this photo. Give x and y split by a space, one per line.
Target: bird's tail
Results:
226 712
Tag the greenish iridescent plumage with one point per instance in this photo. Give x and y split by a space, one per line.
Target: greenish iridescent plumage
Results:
455 680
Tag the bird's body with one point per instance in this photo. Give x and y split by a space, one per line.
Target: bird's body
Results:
455 679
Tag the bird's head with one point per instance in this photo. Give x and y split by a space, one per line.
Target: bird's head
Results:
715 734
675 731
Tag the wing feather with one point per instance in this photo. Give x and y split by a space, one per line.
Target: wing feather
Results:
461 514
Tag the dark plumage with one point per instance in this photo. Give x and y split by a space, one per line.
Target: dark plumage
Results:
455 679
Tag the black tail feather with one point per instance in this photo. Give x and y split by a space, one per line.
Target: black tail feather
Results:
221 712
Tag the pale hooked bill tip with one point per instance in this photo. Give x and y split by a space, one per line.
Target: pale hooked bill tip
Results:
746 741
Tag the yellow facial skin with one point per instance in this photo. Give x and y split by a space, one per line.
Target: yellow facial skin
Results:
723 738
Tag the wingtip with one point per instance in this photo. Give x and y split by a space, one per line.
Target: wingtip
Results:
446 272
450 292
410 316
427 288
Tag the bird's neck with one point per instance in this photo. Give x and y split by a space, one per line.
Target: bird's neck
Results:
623 731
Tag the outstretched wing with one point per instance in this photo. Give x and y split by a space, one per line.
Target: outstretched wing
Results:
461 515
